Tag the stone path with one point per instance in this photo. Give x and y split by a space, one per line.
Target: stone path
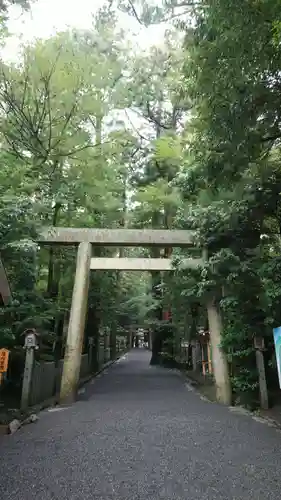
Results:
138 433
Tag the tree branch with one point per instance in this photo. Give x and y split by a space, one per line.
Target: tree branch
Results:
134 128
155 120
135 13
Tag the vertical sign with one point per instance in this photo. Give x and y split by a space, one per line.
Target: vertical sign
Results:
4 359
277 342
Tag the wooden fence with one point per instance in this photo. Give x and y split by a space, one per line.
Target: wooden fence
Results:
46 377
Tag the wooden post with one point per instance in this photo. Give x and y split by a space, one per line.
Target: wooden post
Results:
203 361
149 339
101 348
194 357
112 343
220 364
195 353
129 341
91 352
209 358
27 378
74 342
107 350
262 380
30 345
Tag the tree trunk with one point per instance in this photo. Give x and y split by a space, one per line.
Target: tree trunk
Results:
53 272
158 311
53 284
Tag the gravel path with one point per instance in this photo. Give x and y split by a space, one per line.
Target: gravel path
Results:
137 433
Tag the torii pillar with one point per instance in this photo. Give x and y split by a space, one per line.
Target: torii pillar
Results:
75 334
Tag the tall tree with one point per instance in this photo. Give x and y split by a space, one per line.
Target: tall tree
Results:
154 97
231 173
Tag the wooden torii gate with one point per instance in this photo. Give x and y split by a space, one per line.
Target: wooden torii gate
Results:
85 239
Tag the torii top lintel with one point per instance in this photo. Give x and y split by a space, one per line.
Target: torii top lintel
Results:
117 237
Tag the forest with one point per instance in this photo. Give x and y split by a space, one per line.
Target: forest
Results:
99 132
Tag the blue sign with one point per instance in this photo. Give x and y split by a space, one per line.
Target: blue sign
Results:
277 342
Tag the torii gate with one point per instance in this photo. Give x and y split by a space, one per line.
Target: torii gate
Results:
85 239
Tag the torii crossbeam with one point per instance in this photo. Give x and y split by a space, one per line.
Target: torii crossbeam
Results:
117 237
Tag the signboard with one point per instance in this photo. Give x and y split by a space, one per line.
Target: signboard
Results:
4 359
277 342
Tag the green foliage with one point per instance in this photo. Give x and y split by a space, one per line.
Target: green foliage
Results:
69 160
230 176
187 135
60 165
